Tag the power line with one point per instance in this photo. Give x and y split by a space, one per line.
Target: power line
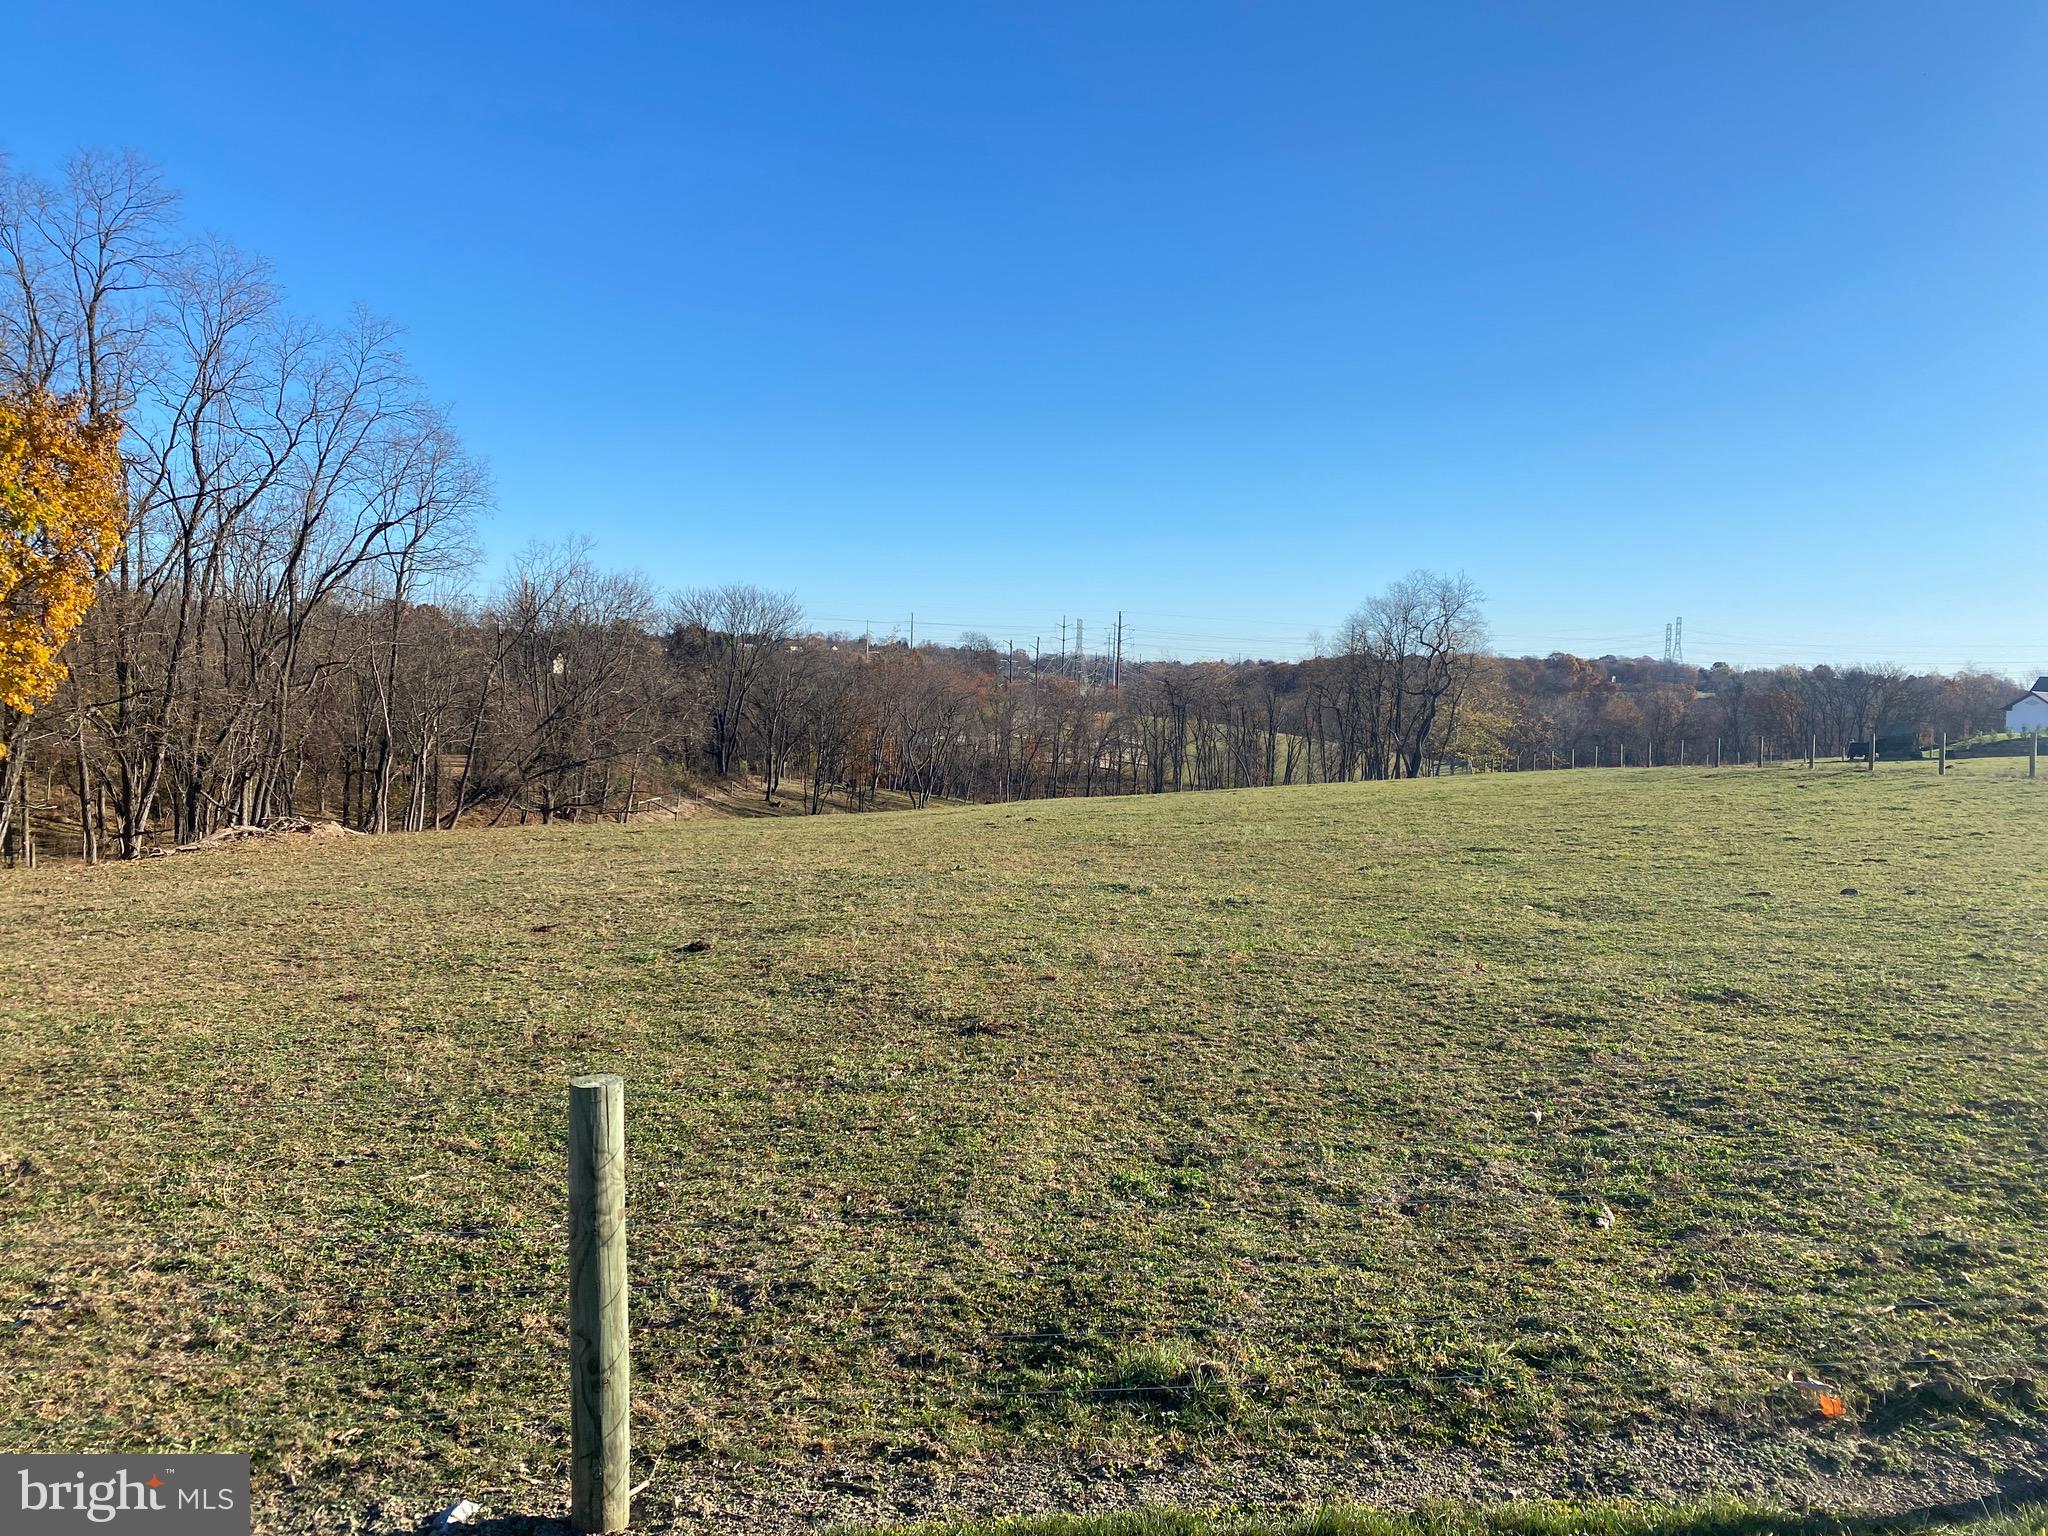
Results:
1211 636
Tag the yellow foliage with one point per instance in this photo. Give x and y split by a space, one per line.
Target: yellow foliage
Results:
61 528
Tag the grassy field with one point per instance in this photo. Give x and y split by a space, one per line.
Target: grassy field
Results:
1523 1133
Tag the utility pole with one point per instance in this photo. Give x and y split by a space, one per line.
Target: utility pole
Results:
1063 642
1081 647
913 631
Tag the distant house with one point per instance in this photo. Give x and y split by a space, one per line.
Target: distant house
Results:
2029 712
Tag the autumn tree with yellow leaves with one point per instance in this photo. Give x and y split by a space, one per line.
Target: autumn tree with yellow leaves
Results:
61 528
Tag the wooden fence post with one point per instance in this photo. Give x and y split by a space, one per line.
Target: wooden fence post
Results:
1811 743
2033 768
600 1370
1941 756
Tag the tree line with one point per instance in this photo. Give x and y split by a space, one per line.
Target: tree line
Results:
293 623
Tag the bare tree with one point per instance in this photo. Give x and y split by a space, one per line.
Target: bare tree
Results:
728 634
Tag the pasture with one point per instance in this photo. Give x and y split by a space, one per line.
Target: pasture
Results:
1520 1134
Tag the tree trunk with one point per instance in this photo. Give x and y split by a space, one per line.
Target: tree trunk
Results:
88 846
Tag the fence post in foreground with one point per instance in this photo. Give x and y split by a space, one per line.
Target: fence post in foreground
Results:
600 1372
2033 757
1941 756
1811 743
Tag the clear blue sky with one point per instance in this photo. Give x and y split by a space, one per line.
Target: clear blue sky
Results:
1223 314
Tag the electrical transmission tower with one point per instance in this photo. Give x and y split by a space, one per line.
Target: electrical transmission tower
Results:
1674 643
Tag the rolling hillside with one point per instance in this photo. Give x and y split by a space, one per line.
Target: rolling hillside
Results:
1519 1133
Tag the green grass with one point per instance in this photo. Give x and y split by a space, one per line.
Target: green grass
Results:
1990 744
1526 1120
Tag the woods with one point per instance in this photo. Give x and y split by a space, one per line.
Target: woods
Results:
289 493
291 615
